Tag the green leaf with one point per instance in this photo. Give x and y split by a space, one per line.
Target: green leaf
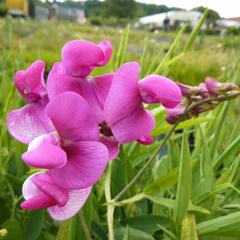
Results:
195 32
142 60
131 200
64 231
122 48
14 230
170 203
184 183
219 224
227 153
165 127
34 225
163 182
169 54
134 234
217 127
146 223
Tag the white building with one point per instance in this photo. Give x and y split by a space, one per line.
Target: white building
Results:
174 16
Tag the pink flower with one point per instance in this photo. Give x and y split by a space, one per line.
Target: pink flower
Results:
30 83
123 109
39 191
93 89
74 157
28 122
117 100
80 57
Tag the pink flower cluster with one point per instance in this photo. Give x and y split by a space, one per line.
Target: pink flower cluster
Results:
74 123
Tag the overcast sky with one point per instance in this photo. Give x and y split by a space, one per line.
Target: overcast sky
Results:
226 8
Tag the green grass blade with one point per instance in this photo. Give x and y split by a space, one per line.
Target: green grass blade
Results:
143 58
228 152
184 183
219 224
195 32
170 52
122 48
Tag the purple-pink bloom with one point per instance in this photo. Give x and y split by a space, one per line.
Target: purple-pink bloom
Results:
72 153
40 191
124 111
94 90
30 121
80 57
30 83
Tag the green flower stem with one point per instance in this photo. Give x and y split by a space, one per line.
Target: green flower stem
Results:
110 207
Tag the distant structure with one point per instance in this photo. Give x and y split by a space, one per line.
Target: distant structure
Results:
229 22
41 13
72 14
17 8
157 20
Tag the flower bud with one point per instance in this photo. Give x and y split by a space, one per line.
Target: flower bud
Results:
189 91
173 114
215 88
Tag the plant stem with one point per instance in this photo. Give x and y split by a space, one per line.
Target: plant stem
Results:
142 170
181 118
110 207
85 226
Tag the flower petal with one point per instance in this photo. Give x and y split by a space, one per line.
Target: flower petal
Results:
29 122
135 126
77 198
34 197
47 186
94 90
159 89
106 47
72 117
79 57
58 81
146 140
43 152
30 83
86 163
38 202
112 146
123 97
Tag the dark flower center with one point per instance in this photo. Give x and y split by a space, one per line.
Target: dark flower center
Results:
105 129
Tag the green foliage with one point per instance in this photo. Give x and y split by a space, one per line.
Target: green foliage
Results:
119 8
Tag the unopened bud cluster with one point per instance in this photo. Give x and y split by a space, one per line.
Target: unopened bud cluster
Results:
197 99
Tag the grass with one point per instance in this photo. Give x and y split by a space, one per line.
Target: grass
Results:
156 207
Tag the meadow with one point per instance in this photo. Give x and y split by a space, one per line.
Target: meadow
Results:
198 166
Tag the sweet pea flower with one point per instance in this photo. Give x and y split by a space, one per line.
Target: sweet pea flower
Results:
93 89
30 121
80 57
72 153
124 111
119 96
39 191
